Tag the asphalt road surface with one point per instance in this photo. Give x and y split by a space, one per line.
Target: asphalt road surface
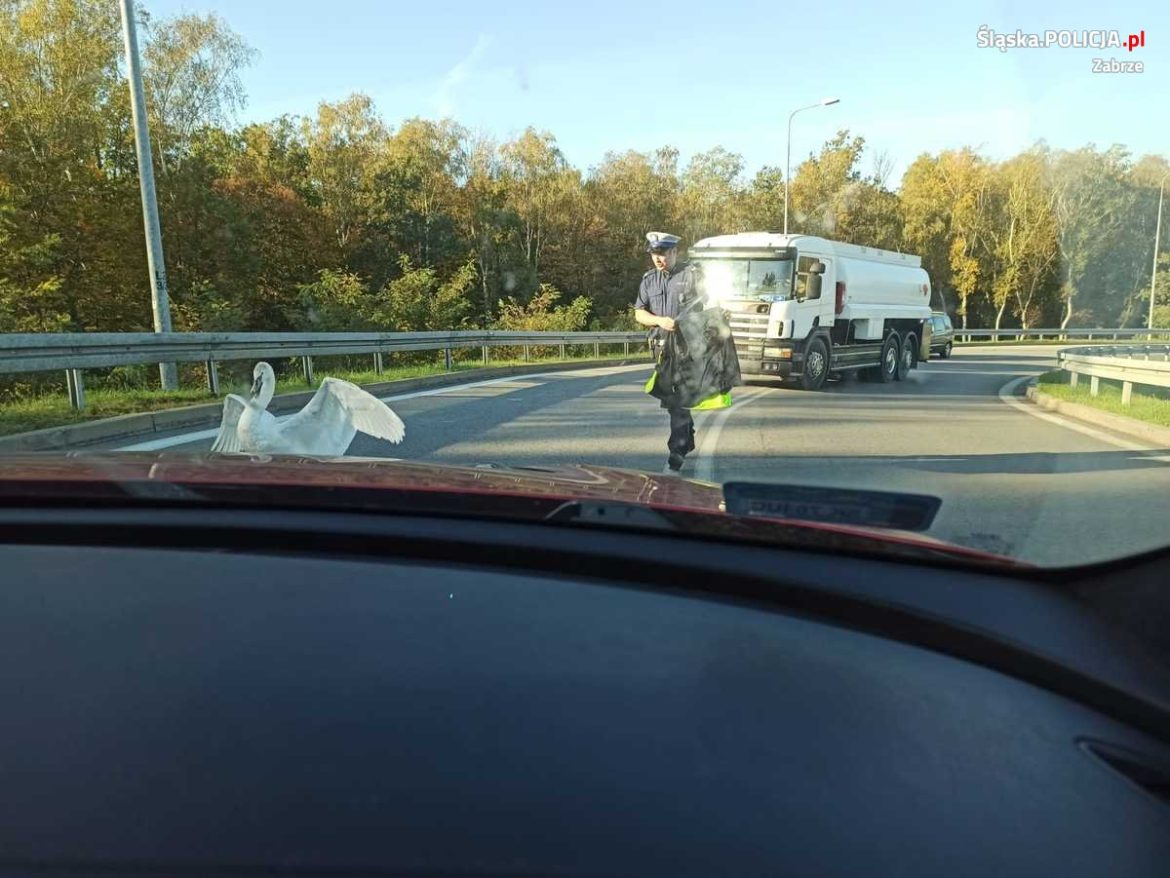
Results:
1013 480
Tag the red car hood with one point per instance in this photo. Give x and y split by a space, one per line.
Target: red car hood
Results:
353 482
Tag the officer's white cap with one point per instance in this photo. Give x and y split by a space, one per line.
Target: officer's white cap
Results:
661 241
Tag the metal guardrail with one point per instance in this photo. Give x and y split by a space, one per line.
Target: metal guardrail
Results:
1058 334
1147 365
74 352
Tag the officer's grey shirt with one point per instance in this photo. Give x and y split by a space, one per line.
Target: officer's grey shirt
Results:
662 292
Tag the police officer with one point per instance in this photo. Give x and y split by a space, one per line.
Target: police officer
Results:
661 297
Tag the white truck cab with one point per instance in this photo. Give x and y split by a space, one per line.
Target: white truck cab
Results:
805 307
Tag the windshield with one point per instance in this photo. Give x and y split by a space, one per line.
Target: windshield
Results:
763 279
453 243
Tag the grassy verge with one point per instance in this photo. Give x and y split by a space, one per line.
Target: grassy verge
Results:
53 409
1150 407
40 412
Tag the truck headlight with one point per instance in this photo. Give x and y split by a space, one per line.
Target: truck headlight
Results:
778 353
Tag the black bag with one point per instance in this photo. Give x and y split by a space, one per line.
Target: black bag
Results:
697 365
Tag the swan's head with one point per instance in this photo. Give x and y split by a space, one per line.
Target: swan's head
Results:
262 376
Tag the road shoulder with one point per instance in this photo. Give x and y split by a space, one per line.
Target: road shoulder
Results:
1131 427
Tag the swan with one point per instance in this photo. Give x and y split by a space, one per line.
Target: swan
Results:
325 427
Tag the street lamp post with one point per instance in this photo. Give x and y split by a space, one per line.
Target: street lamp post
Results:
825 102
1157 243
160 301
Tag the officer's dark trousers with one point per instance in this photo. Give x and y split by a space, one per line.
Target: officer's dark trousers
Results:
682 432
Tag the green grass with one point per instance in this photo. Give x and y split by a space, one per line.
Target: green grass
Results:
1148 407
53 410
37 413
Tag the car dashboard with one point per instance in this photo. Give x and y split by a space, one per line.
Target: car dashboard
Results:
235 691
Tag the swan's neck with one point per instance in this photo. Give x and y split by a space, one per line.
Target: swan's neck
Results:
264 397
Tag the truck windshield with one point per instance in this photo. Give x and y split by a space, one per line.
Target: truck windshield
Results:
766 279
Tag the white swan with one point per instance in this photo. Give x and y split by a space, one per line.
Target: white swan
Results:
326 426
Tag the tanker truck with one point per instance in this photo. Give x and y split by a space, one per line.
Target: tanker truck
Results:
808 308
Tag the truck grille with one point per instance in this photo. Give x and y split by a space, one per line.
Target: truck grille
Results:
749 331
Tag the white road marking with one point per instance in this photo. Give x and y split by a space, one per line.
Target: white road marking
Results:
199 435
705 460
157 444
1007 395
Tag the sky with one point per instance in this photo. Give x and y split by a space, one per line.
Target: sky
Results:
603 75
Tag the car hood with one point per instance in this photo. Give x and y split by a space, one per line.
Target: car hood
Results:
576 494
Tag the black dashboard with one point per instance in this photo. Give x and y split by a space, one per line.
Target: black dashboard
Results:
227 691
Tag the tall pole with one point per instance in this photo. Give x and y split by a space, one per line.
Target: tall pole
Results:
788 168
160 302
1157 244
788 151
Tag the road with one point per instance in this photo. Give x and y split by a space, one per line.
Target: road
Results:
1012 480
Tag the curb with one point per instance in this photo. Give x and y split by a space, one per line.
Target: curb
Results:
207 415
1132 427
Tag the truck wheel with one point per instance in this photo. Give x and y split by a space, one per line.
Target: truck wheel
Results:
908 358
946 352
888 370
816 365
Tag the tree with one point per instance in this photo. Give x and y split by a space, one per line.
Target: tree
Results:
542 314
337 221
336 301
1026 237
261 241
1093 206
61 157
628 194
481 215
712 194
1148 174
831 197
1162 304
273 153
30 294
926 219
868 214
537 180
419 301
763 207
58 72
966 179
818 182
191 78
345 142
947 210
205 308
417 179
571 259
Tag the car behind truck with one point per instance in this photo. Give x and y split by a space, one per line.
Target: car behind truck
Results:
807 308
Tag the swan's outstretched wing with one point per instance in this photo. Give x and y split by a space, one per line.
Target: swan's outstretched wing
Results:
337 410
370 415
228 439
